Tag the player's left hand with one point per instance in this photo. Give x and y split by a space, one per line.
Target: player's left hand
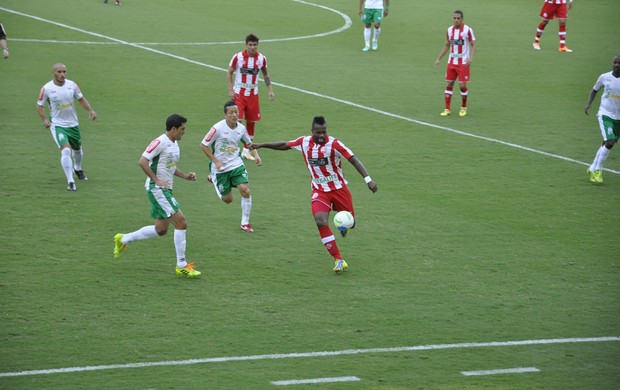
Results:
191 176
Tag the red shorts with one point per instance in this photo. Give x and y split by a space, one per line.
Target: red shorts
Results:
549 11
337 200
460 72
248 106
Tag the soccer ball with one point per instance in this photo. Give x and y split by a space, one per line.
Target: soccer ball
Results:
344 218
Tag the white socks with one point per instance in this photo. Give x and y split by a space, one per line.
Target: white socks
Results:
77 159
179 245
67 164
367 36
147 232
141 234
246 209
599 159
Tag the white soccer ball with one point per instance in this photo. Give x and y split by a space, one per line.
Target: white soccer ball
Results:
344 218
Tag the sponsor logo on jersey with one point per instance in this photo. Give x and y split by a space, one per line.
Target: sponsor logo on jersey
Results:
325 179
155 143
318 162
253 71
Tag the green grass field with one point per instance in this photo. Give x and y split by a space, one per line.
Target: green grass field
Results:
484 229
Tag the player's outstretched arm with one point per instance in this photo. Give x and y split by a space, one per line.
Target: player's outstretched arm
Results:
280 145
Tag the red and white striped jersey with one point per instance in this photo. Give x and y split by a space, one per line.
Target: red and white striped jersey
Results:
323 161
246 72
460 43
558 1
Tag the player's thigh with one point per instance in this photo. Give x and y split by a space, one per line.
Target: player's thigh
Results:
222 183
241 102
451 73
610 128
75 137
463 73
163 203
253 109
548 11
320 202
178 220
561 11
372 16
342 200
60 135
239 176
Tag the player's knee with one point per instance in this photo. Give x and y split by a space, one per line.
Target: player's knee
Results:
610 143
161 231
321 221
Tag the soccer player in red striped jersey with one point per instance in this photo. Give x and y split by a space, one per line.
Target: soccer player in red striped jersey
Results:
322 154
461 43
554 9
245 66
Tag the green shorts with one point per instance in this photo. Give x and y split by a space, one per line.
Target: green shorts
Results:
70 135
163 204
372 16
610 128
224 182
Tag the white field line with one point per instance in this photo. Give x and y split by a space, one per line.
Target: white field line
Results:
310 355
347 24
342 101
518 370
317 380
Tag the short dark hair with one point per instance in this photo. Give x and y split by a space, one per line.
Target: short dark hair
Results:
459 12
318 120
229 103
175 120
251 38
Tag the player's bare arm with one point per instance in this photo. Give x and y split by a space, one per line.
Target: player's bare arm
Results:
145 165
362 170
191 176
268 84
473 51
590 100
229 81
214 160
257 158
442 53
92 115
43 116
281 145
